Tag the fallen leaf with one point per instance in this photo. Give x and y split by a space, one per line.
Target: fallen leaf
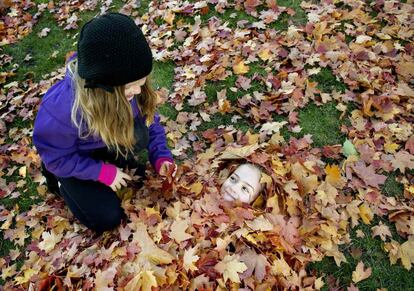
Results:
240 68
144 281
190 258
360 273
178 229
230 266
382 231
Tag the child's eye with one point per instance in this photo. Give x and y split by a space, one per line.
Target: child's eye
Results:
232 178
245 189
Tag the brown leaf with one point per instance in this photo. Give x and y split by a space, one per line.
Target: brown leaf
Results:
368 175
403 160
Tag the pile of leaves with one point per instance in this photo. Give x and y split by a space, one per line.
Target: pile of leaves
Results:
180 233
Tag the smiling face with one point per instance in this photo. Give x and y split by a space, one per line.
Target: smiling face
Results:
242 185
134 88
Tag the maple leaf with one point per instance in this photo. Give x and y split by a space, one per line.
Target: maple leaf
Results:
256 263
144 281
260 223
272 127
281 267
240 152
326 193
365 213
190 258
409 145
304 177
251 5
382 231
50 239
360 273
106 277
368 175
348 149
27 274
178 229
44 32
240 68
406 253
230 266
403 160
149 249
333 175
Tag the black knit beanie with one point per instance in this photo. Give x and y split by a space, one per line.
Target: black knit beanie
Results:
112 51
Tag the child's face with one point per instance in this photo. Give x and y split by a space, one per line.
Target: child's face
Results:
134 88
243 184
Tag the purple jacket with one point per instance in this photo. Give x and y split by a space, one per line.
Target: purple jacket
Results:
65 154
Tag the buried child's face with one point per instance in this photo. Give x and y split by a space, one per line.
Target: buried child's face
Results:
242 185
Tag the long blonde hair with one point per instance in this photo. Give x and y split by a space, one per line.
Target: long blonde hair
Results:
109 115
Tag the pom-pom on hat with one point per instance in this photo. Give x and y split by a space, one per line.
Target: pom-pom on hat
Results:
112 51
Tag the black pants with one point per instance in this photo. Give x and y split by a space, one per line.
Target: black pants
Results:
93 203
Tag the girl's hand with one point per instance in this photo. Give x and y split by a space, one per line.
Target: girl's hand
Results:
168 169
120 180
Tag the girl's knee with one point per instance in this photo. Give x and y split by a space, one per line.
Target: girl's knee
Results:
108 220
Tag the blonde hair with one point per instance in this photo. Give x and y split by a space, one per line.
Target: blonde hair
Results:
109 115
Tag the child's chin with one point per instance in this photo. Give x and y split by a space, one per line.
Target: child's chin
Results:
227 197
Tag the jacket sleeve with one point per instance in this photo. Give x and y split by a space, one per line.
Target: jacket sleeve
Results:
56 144
157 145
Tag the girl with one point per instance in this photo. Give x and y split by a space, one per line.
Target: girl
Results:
91 123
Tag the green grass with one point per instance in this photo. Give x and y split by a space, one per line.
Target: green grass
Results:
384 275
44 60
322 123
327 82
391 187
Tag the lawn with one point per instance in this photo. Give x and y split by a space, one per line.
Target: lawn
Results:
315 74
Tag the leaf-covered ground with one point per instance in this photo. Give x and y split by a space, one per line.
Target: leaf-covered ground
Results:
319 94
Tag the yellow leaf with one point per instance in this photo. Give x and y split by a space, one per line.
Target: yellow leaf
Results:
144 280
240 68
239 153
8 271
50 239
391 147
190 258
406 253
336 254
27 274
319 283
264 54
22 171
253 138
333 175
273 202
265 179
230 266
360 274
326 193
280 267
365 213
149 250
178 229
169 17
196 188
302 175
